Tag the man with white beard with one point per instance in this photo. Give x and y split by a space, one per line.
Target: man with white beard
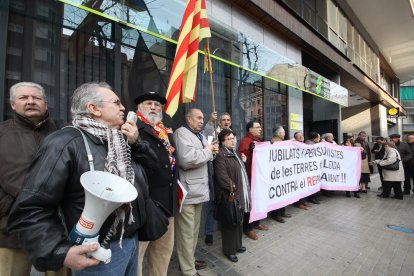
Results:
162 178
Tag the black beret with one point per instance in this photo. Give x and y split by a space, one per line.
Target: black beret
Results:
150 96
395 135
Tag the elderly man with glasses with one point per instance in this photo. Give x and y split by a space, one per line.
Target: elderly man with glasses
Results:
53 183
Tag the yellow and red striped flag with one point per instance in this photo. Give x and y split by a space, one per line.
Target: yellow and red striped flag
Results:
182 83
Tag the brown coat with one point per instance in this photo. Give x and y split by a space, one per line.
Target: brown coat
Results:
227 171
19 141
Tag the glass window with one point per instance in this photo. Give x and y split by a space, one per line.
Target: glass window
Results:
309 12
342 24
332 16
84 47
322 17
295 5
246 88
275 104
350 41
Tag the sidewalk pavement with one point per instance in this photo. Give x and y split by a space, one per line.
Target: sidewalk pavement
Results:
341 236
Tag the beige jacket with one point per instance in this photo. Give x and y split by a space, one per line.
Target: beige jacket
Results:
192 160
390 157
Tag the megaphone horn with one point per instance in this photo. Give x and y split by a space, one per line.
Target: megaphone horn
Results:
104 193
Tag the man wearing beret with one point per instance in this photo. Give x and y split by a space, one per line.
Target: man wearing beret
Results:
405 154
162 178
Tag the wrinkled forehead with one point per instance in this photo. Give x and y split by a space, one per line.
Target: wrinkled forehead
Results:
197 114
28 90
225 118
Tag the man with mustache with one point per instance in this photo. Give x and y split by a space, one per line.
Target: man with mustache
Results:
20 138
162 178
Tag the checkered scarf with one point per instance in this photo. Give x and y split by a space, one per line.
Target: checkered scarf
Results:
118 160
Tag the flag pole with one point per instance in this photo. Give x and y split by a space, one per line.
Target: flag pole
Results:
210 70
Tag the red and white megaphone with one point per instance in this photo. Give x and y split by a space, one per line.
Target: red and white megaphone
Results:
104 193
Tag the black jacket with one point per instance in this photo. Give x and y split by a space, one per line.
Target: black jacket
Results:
379 153
404 151
53 182
228 172
162 180
365 145
411 163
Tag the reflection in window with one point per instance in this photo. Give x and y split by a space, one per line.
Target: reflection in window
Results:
247 89
85 47
275 104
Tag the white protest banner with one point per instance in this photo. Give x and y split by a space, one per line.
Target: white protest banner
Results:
284 172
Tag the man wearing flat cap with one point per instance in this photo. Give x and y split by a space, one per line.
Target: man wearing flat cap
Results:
162 178
405 153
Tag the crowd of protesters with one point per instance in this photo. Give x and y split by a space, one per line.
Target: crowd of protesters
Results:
41 197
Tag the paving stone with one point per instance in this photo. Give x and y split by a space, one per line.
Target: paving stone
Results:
341 236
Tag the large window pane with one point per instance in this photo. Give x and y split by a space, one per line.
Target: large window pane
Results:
275 107
247 99
82 47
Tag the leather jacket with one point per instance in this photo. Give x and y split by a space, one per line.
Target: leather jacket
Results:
52 183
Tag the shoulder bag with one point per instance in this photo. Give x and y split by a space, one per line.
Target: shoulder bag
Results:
157 222
392 167
228 210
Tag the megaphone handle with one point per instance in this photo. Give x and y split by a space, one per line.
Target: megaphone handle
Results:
101 253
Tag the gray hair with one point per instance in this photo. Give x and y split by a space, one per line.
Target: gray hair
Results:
326 135
25 84
84 94
391 145
224 114
190 112
277 130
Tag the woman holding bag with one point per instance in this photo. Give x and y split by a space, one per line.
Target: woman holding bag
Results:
231 179
392 178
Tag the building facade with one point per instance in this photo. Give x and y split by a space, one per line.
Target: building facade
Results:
407 100
308 65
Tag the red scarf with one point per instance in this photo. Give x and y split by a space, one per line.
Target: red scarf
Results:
161 132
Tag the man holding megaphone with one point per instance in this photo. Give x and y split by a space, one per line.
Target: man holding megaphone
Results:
62 173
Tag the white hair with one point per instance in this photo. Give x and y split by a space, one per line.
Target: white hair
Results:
26 84
277 130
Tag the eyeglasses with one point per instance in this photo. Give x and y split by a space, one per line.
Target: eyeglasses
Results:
117 102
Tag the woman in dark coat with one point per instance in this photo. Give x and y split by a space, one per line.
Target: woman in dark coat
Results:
229 170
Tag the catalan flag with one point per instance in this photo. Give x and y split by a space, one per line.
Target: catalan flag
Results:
182 83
